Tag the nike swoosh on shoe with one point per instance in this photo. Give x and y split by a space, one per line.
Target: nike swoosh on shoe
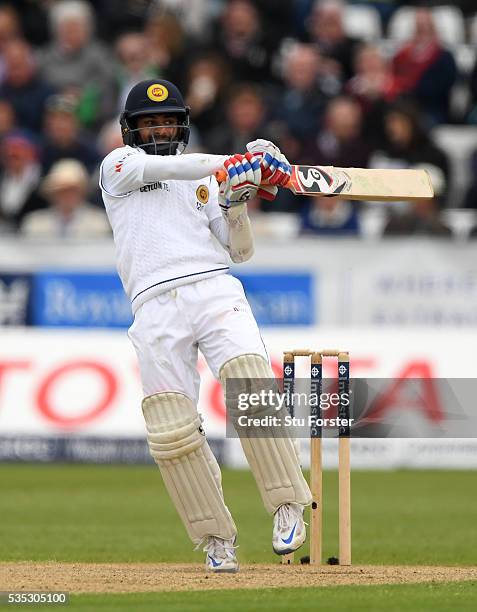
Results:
219 563
290 537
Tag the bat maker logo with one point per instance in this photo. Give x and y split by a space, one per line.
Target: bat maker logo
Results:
316 180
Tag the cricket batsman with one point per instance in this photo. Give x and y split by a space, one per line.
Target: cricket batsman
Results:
175 229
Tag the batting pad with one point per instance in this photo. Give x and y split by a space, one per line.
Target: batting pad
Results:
273 460
189 469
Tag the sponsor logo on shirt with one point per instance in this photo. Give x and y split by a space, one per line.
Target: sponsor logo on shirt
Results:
153 186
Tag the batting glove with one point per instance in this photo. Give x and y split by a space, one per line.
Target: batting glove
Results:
276 169
243 179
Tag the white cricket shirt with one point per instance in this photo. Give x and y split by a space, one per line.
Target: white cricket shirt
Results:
160 209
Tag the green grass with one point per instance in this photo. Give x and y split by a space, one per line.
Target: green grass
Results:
392 598
123 514
424 598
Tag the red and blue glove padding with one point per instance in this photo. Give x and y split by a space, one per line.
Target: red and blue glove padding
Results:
276 169
244 175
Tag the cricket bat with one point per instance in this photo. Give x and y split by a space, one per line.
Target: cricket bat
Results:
358 183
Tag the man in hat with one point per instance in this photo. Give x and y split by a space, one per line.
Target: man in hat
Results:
69 214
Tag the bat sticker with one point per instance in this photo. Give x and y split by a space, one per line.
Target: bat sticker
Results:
312 179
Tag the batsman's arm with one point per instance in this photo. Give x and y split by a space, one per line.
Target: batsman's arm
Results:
231 227
234 233
126 169
190 167
240 234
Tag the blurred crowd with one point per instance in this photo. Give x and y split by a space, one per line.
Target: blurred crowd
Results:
298 72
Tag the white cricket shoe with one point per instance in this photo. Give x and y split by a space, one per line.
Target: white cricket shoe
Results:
221 556
289 531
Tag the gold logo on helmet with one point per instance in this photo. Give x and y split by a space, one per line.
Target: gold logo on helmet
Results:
202 194
157 92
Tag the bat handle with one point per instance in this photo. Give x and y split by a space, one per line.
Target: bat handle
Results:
221 176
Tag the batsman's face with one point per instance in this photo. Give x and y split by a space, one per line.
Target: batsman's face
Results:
160 127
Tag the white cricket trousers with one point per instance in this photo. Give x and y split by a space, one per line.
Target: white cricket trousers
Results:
212 315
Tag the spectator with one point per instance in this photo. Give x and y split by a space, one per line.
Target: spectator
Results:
207 82
19 178
301 15
115 17
109 138
278 15
245 118
22 86
69 214
339 143
329 217
408 145
8 120
76 62
418 219
302 103
194 15
241 40
9 30
425 70
167 47
33 16
133 63
64 137
372 88
326 30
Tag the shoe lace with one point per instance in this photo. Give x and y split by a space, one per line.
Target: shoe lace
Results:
219 548
283 517
288 514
